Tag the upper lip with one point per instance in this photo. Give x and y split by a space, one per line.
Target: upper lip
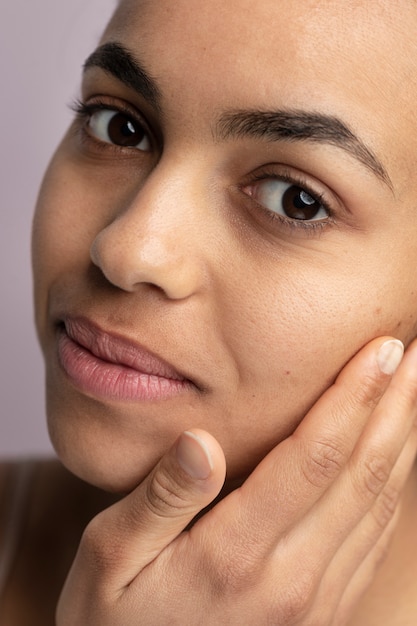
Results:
118 350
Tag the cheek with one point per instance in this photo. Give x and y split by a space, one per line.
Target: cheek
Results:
65 224
292 344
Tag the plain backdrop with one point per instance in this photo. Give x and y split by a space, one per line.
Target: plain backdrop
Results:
43 44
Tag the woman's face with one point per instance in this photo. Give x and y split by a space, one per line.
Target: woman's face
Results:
230 217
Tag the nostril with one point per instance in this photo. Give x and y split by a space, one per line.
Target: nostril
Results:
128 257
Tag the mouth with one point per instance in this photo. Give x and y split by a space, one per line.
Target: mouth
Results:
108 366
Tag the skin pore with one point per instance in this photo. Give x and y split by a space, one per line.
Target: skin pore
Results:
235 202
176 244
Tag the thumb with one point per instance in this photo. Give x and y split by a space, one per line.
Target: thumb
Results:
119 542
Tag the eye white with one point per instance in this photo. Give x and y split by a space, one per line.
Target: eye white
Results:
289 200
117 128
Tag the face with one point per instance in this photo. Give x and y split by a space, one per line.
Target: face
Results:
230 217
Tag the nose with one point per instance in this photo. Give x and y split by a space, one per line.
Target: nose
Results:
155 239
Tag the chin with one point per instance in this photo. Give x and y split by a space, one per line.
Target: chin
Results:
112 475
110 464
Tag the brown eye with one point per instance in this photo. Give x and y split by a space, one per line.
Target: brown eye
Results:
288 200
299 205
119 129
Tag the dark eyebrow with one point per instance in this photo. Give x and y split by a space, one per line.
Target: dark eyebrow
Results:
119 62
298 125
289 125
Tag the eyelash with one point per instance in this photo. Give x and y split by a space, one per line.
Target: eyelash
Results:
298 181
84 111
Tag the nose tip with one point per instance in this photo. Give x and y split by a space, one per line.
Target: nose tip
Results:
129 260
159 235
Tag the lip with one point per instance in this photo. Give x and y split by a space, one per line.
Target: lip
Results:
112 367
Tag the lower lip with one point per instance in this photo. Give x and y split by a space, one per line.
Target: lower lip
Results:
111 381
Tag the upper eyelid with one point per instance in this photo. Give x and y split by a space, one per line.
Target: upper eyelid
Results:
97 103
298 180
87 107
92 89
100 102
305 228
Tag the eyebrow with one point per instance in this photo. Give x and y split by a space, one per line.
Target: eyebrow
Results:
115 60
280 125
299 125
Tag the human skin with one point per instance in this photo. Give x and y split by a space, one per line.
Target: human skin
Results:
169 246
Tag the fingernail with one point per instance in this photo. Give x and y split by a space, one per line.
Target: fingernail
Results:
193 456
389 356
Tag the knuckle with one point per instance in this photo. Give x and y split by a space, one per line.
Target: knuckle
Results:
98 547
92 539
374 474
370 390
163 495
235 573
323 461
295 602
237 563
386 506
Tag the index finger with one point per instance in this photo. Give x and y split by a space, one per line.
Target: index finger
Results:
295 475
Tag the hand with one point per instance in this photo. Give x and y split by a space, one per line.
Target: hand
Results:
297 543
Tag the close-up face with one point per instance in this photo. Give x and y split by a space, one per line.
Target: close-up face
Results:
229 219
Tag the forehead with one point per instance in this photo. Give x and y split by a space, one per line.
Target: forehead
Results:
277 26
299 45
354 59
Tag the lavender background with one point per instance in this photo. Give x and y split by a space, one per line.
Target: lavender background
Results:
42 46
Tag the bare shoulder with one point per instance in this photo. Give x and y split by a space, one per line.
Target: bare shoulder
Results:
43 512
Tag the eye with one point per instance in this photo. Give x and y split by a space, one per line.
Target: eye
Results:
118 128
288 200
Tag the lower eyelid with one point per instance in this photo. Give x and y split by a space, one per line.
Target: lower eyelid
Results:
302 226
101 148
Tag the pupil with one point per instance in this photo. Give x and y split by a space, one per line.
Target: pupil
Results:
299 205
123 132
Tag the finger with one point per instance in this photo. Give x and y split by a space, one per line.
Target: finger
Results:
332 541
123 539
345 590
368 482
368 546
290 480
332 428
